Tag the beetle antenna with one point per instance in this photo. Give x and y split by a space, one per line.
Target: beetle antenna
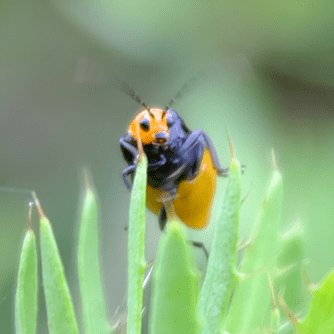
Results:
124 87
139 100
184 89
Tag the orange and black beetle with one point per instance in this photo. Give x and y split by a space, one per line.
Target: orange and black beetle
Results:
182 163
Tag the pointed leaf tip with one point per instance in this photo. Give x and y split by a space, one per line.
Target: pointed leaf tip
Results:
296 228
86 178
230 145
139 144
29 225
38 205
171 214
273 160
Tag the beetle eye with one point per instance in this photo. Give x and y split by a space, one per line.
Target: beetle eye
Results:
170 121
145 124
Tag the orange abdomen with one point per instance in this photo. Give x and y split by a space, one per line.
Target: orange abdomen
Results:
194 198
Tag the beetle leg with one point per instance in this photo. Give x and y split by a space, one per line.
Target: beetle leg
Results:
201 245
162 218
157 164
163 222
129 147
176 173
221 171
126 146
127 171
194 138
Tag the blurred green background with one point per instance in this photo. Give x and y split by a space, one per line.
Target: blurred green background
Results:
269 80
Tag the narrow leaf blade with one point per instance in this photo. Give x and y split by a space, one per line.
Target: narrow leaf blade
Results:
290 258
59 305
26 292
93 303
175 285
220 276
251 303
136 248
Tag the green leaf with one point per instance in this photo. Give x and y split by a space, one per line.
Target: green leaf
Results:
221 272
93 303
136 248
320 317
288 277
175 285
26 292
59 305
251 304
289 262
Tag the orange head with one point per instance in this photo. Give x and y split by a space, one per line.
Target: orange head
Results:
153 127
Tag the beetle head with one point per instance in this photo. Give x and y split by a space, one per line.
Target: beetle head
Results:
153 125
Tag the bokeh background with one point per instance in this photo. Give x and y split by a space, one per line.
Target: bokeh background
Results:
268 78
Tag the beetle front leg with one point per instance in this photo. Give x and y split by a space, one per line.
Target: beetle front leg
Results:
130 154
131 168
129 149
127 171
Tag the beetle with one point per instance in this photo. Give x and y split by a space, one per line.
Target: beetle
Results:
181 163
